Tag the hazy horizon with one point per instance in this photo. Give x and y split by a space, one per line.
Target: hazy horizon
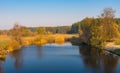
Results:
33 13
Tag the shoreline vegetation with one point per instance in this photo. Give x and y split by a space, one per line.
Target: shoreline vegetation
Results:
102 32
8 45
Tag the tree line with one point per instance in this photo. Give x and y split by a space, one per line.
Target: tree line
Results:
92 31
97 31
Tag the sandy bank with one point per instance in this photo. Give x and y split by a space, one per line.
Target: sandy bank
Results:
112 46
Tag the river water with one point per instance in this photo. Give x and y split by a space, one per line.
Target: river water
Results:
55 58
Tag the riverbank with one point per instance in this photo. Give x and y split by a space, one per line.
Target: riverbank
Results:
111 47
8 45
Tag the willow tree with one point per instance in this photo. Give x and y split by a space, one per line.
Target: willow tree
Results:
109 26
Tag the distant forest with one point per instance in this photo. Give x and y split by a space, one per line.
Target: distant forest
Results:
68 29
74 29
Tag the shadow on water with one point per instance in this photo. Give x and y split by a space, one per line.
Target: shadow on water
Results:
39 51
97 60
18 58
1 67
92 60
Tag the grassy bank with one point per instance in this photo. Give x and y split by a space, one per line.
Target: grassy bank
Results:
8 45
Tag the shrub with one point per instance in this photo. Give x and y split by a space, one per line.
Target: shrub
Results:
39 41
13 45
117 42
59 40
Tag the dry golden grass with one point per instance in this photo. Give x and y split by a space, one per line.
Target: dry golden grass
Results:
5 41
42 39
27 41
4 38
8 44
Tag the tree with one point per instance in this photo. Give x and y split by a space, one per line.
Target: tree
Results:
96 32
75 28
109 26
41 30
16 33
85 27
19 31
96 38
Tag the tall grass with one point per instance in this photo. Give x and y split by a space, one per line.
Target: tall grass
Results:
9 44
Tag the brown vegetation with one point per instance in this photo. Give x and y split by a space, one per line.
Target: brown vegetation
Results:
9 43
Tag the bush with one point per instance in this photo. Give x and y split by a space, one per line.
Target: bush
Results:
117 42
39 41
13 45
27 41
59 40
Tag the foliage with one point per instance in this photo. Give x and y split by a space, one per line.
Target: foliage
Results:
86 27
117 41
63 29
13 45
91 32
75 27
96 38
110 28
117 20
96 32
40 40
40 30
54 30
59 40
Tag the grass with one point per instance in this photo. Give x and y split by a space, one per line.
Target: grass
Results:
5 40
8 45
43 39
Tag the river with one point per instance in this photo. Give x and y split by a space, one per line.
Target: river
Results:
56 58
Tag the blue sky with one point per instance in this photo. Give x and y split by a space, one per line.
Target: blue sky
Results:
32 13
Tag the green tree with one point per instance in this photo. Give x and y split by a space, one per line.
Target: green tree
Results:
75 28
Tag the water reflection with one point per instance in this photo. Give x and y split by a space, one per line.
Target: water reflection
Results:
98 61
110 63
90 57
1 67
54 58
39 51
18 58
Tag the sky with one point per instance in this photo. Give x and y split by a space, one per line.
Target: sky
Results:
33 13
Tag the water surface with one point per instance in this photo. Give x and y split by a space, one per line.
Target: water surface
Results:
54 58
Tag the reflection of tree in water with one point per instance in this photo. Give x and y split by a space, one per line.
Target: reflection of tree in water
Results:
97 60
110 63
1 67
18 57
39 51
90 57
